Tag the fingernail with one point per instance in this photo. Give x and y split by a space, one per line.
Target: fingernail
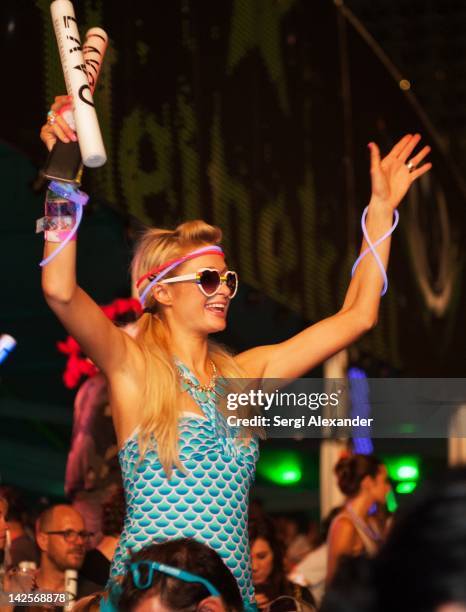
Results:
74 137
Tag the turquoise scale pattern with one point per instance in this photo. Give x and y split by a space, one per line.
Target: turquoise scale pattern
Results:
208 503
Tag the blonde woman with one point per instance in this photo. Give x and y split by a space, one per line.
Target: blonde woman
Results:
184 476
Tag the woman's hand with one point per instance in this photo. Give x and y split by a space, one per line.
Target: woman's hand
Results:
58 128
393 175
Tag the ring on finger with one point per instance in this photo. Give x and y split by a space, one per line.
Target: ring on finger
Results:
411 167
51 117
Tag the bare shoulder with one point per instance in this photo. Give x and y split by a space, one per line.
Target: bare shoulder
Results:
342 528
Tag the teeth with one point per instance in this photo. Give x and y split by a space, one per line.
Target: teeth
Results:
216 306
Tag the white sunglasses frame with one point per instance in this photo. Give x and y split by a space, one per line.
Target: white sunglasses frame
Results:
196 276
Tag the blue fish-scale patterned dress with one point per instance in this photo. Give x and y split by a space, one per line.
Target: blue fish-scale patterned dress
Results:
209 502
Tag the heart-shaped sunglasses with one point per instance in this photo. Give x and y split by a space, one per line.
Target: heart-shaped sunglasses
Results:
208 280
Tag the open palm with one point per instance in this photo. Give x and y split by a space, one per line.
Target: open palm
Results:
393 175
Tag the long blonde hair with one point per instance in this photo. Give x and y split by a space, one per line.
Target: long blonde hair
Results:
161 398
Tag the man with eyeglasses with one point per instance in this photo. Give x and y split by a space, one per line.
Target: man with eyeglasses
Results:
62 538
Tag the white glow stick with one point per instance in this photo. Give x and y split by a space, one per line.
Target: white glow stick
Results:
95 45
74 69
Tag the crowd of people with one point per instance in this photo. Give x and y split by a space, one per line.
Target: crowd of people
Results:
354 561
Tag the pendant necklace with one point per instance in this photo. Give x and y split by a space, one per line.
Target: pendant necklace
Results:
209 387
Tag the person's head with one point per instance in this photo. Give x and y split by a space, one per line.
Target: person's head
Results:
173 312
16 507
363 475
291 529
113 513
61 537
147 588
267 556
3 523
194 307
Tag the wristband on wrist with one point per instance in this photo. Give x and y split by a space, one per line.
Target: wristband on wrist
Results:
63 214
371 247
57 236
56 228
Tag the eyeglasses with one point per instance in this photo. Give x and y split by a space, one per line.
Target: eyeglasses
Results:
143 573
209 281
70 535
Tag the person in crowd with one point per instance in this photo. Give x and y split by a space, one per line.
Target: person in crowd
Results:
296 543
173 436
22 546
179 575
363 479
268 572
312 570
96 566
61 538
422 565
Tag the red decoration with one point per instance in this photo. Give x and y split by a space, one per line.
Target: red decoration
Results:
345 454
78 365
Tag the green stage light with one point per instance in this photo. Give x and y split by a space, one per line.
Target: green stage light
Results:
281 467
405 487
392 504
408 472
291 476
404 468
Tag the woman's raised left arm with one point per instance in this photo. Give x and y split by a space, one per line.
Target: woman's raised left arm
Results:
391 177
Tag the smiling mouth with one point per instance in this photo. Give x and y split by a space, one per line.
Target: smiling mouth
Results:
216 307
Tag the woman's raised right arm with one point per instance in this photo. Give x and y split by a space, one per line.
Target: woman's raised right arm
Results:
98 337
100 340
